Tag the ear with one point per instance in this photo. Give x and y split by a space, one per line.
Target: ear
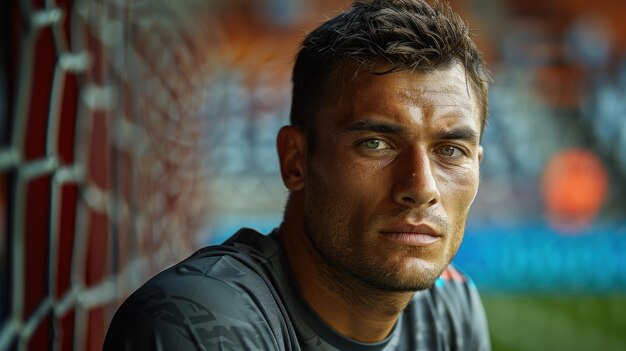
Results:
480 153
291 144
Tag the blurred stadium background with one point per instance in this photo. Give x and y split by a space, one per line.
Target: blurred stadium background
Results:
133 132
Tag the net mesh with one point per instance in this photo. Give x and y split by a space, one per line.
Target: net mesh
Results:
99 159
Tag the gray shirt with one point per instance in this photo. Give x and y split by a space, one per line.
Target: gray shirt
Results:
239 296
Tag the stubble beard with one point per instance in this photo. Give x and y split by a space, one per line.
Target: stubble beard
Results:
343 264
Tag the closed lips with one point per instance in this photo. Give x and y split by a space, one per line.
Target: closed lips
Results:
421 235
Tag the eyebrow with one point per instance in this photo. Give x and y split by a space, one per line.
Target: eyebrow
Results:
371 126
458 133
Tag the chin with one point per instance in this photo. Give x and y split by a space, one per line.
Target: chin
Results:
417 276
403 286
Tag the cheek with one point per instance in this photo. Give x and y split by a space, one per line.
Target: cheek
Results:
368 184
346 175
471 188
331 185
458 190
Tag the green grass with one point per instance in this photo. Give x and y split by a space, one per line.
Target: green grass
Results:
535 323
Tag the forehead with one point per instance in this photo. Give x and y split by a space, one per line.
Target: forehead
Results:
436 94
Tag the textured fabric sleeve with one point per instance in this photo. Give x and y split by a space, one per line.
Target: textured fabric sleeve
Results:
183 309
478 327
463 319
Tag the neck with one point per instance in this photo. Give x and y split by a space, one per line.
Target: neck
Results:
350 306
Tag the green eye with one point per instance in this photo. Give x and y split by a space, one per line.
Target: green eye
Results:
372 144
448 150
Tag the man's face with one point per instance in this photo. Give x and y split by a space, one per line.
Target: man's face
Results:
394 172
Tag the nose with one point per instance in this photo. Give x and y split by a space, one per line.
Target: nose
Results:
415 184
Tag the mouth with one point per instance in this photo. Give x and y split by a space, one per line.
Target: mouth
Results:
420 235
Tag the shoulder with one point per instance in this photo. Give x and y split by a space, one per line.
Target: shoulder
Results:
210 300
457 288
454 311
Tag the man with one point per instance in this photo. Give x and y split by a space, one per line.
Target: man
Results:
382 163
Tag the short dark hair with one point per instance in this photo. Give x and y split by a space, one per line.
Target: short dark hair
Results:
406 34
